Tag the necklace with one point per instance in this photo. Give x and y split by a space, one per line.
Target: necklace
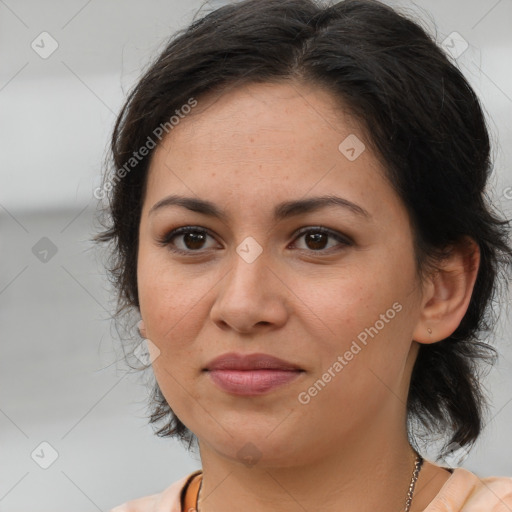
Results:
417 466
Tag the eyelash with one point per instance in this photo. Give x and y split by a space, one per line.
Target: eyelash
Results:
165 241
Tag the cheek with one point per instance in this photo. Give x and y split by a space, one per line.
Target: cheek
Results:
173 305
170 297
362 353
365 316
349 300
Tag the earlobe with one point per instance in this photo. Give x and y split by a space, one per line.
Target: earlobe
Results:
141 328
449 293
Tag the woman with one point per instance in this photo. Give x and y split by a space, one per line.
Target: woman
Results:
298 215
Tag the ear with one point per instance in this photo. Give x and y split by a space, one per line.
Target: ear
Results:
447 293
142 328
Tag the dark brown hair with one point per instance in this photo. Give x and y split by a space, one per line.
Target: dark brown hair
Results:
422 119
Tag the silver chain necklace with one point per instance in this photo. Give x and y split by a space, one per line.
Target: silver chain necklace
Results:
417 466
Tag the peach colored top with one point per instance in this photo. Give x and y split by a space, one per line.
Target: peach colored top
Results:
462 489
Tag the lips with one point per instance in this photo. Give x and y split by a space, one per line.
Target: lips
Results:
252 374
234 361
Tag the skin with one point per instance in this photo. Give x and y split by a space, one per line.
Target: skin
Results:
347 449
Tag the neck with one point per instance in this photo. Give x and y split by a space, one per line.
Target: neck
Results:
369 471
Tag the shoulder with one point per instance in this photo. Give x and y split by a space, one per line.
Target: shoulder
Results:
466 489
166 501
462 489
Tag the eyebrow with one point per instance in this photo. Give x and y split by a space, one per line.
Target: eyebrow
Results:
282 210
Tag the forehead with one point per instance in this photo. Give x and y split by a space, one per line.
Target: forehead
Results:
264 114
265 143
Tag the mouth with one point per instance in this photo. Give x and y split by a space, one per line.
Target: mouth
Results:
251 375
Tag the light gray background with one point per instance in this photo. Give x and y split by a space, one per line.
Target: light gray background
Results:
60 382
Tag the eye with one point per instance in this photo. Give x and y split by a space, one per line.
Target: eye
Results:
315 238
192 238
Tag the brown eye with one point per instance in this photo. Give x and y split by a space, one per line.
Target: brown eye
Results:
189 240
316 239
192 240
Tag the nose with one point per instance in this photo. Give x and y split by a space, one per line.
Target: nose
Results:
251 296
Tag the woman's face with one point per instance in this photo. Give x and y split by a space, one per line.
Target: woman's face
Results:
344 310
